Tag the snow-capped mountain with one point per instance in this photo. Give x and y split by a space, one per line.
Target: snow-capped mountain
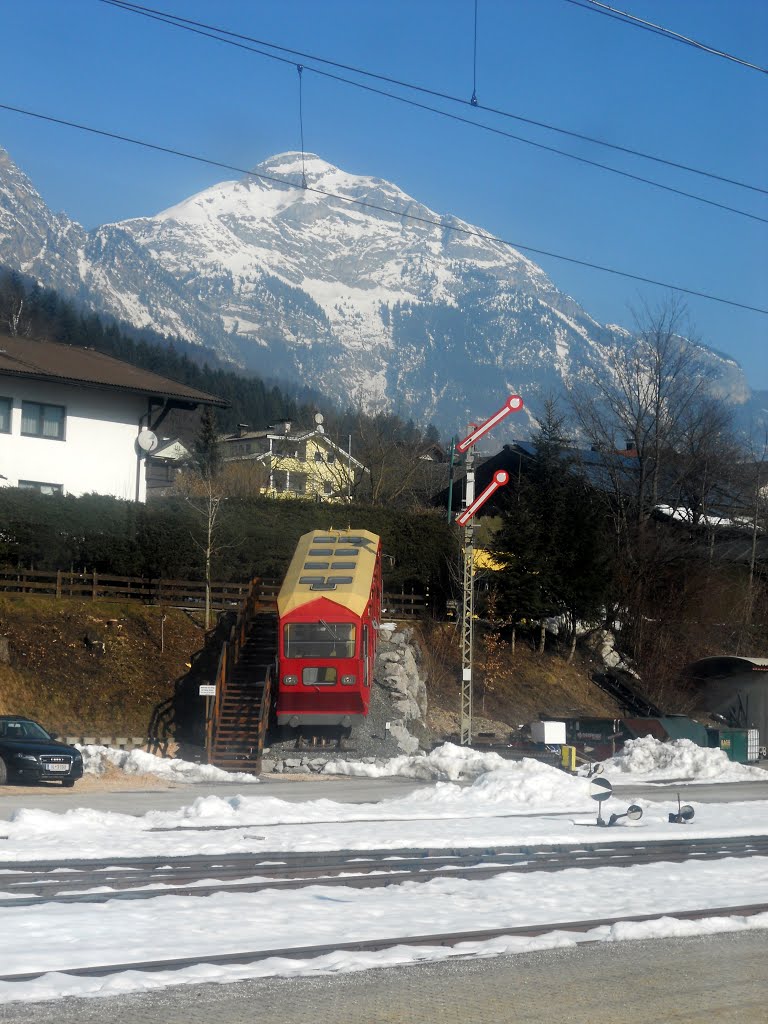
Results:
330 285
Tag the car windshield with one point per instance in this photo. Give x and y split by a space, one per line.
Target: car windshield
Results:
21 729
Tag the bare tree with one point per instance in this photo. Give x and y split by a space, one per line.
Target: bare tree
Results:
642 398
758 469
242 478
202 495
652 400
705 466
399 472
12 306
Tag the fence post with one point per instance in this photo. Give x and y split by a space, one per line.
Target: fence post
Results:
58 583
93 586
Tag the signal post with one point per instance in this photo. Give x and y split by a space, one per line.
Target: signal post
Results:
471 505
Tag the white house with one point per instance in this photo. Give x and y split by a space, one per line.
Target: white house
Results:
70 418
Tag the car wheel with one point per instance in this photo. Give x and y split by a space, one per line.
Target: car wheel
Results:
67 783
3 772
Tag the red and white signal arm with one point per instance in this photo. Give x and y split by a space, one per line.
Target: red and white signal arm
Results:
513 404
500 478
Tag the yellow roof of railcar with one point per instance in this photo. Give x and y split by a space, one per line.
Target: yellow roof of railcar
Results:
337 564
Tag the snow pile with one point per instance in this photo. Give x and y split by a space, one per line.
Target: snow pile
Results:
649 759
96 759
515 784
448 762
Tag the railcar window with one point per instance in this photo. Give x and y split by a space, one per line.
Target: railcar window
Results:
334 565
320 640
319 565
320 552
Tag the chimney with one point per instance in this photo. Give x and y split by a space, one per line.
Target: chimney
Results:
281 427
242 429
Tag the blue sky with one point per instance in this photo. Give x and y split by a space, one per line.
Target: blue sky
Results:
544 59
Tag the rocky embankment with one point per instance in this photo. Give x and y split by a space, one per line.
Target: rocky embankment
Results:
396 720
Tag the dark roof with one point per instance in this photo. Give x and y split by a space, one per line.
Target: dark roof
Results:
721 665
84 367
602 470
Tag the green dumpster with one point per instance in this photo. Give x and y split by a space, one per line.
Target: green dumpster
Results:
739 744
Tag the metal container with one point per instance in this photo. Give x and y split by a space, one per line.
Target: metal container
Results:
741 745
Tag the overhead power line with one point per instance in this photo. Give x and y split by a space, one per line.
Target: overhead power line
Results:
402 214
630 19
202 28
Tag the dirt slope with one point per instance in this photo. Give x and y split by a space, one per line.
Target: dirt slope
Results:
91 667
511 688
97 668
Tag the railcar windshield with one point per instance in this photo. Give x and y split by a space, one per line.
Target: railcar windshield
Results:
320 640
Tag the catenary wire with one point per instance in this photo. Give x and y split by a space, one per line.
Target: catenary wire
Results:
300 69
473 101
365 204
631 19
175 19
171 20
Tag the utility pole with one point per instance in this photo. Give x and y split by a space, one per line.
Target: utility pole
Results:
471 504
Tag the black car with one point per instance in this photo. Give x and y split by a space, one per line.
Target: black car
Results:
29 753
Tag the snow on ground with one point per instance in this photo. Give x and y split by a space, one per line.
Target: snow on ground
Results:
123 932
508 803
649 760
96 759
520 802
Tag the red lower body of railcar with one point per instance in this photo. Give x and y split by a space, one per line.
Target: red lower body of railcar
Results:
325 667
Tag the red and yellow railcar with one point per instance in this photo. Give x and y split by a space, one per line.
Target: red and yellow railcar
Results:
329 610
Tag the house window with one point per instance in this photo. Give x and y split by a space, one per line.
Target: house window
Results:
299 483
35 485
301 452
38 420
327 487
318 456
331 456
6 404
280 480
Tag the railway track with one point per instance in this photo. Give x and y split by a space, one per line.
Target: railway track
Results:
372 945
138 878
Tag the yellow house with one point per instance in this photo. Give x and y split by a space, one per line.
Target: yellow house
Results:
295 464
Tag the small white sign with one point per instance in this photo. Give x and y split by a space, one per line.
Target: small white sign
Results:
207 690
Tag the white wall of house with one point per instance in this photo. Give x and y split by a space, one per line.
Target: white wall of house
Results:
98 451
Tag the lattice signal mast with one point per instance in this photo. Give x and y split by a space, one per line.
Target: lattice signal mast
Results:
471 505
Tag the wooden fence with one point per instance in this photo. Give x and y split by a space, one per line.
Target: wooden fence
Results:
177 593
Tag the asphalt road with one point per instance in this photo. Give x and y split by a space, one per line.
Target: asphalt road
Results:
127 801
716 979
344 790
702 792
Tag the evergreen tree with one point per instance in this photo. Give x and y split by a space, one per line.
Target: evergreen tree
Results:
553 539
206 452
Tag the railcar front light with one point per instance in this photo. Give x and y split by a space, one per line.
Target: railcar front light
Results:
290 680
348 680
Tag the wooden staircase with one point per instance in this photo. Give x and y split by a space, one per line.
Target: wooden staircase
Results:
240 713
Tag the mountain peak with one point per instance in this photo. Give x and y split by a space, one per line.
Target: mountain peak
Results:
350 285
290 165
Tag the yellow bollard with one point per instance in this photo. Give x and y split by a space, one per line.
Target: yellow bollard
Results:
568 755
